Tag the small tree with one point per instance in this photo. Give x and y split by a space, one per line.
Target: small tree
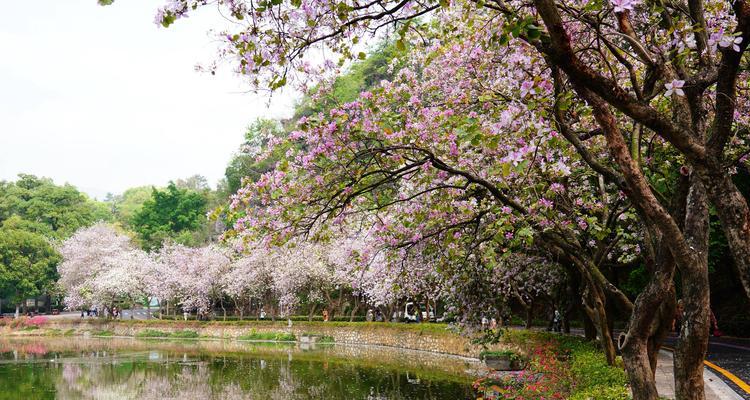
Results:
27 265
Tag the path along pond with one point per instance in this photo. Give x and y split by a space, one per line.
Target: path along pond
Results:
115 368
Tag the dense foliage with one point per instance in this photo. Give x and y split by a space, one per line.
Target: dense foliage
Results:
27 264
593 133
170 213
37 204
559 368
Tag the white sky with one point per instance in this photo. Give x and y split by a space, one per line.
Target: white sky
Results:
102 98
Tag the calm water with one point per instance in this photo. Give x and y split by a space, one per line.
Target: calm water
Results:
78 368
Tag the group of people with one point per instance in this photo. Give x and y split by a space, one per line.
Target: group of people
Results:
114 312
376 316
677 321
90 312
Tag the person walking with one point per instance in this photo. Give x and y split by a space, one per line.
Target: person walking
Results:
677 321
557 321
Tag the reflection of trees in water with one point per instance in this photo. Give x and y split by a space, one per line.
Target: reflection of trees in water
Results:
138 381
288 387
163 371
214 379
84 378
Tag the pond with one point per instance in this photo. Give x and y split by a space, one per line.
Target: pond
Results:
112 368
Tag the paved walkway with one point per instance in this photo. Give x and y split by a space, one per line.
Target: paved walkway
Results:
716 389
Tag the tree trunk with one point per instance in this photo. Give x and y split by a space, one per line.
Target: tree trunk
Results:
606 335
427 309
529 314
355 307
594 304
662 328
571 294
734 214
693 343
312 312
589 329
645 332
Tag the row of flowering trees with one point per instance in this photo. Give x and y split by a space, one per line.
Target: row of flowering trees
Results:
597 132
102 268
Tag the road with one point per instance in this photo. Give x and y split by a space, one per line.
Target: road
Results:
729 354
126 314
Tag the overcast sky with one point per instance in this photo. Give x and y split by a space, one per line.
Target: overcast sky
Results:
102 98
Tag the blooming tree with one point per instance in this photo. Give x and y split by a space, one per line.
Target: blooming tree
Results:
193 277
101 267
637 74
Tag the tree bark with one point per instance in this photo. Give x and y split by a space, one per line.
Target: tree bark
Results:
606 335
693 343
641 343
529 314
312 312
589 329
355 307
734 214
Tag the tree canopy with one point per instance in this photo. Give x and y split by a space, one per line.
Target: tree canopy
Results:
49 209
170 213
27 264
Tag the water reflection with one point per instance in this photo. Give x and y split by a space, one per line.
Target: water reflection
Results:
131 369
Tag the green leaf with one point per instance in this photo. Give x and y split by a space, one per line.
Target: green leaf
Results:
533 32
506 169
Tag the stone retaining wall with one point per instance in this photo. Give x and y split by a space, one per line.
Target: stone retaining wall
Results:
411 337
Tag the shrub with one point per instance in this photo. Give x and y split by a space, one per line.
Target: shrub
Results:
592 377
151 333
273 336
30 328
602 393
184 334
560 367
19 322
489 337
102 333
53 332
512 355
326 339
37 321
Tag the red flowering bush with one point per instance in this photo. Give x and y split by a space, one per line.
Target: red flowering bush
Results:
545 378
36 321
560 367
19 322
